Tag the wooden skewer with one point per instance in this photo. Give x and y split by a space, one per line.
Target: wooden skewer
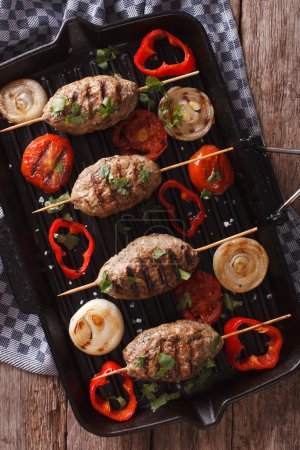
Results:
229 238
171 80
141 89
225 336
164 169
22 124
54 205
174 166
214 244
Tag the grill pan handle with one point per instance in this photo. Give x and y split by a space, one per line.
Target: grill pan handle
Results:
205 413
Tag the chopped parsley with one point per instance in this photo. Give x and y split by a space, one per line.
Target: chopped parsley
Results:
144 175
185 301
215 343
214 176
104 171
105 284
230 303
206 194
67 216
69 240
132 280
171 118
58 105
52 201
75 116
152 85
59 168
120 185
166 363
148 101
158 253
140 362
104 55
149 391
184 274
107 107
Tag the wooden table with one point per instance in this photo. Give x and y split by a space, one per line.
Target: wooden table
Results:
34 412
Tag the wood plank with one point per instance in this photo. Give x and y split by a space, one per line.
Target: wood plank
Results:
186 437
33 410
271 37
236 10
79 438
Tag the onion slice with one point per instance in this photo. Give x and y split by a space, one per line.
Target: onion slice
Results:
22 100
186 112
97 327
241 264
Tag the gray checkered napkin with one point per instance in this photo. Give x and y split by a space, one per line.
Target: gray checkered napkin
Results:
28 24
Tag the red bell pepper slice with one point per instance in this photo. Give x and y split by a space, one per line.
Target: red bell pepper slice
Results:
233 346
186 195
103 406
146 50
74 228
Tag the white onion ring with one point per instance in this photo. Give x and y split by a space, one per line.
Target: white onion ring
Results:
196 109
22 100
97 327
241 264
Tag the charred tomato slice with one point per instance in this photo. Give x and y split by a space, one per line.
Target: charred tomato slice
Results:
47 162
213 174
142 132
200 298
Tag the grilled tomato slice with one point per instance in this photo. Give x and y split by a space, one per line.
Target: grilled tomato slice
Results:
142 132
214 174
200 298
47 162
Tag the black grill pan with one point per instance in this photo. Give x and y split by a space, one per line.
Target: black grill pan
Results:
33 272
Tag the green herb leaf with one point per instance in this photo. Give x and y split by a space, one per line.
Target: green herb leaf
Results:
153 84
214 176
119 184
75 116
67 216
105 284
59 167
171 116
202 376
58 105
104 171
148 391
144 175
140 362
107 107
184 274
69 240
148 101
104 55
158 253
52 201
132 280
163 399
122 228
206 194
230 303
215 343
185 301
166 363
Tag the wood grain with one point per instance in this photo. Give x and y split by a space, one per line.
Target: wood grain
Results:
33 411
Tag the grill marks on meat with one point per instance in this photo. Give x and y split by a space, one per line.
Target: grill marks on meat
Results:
154 276
99 196
89 94
188 342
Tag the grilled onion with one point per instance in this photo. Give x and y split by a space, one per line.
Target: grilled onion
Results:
186 112
97 327
241 264
22 100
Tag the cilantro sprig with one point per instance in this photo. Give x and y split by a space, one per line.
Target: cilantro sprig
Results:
107 107
172 115
52 201
166 363
105 55
149 391
152 85
69 240
75 116
105 284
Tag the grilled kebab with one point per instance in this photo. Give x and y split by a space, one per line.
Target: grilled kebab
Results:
114 184
189 343
91 104
148 266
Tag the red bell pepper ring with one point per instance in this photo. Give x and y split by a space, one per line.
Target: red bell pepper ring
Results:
74 228
233 346
186 195
146 50
103 406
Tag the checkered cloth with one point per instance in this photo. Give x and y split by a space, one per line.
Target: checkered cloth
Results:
27 24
